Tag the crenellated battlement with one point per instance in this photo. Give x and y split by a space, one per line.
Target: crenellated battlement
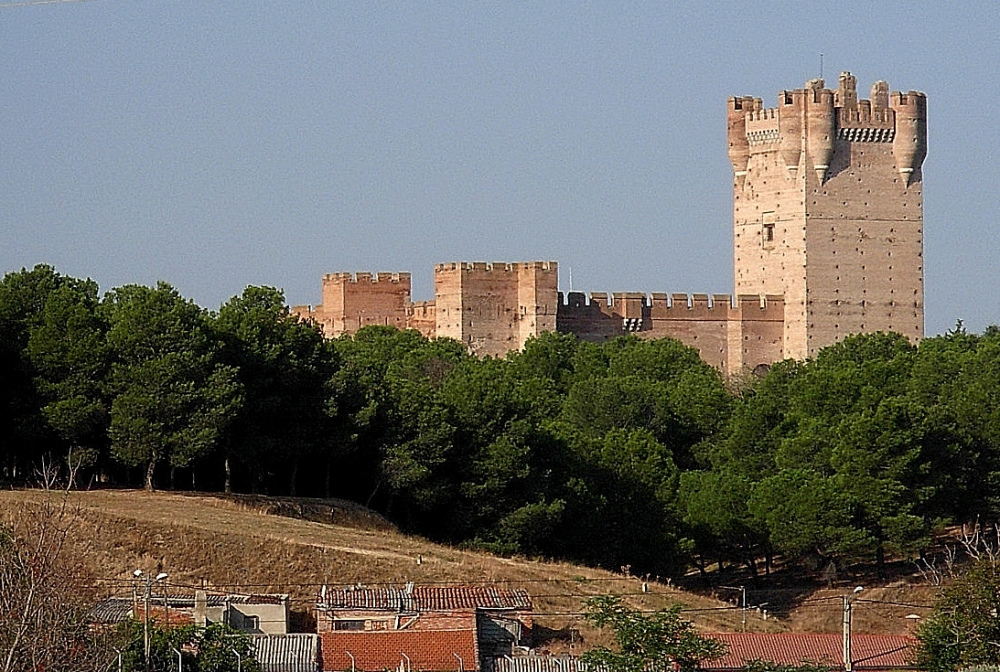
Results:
762 115
495 267
915 100
366 278
807 124
660 305
719 326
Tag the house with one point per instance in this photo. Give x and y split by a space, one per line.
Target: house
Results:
870 653
436 627
263 614
503 617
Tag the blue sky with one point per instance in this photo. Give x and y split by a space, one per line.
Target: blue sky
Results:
219 144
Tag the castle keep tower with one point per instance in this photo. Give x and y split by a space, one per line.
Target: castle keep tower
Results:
828 209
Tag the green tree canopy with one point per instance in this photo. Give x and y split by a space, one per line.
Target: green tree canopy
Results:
964 629
171 397
659 642
284 368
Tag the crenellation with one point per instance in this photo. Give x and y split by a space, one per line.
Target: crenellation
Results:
722 300
363 277
762 117
600 299
659 304
679 301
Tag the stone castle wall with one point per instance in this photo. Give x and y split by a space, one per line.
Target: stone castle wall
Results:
495 308
352 301
730 336
827 242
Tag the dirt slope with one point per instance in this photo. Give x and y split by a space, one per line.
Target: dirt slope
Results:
237 545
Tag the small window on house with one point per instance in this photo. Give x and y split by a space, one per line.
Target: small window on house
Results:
251 622
348 625
769 233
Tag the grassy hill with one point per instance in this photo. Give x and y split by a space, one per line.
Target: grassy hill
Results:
245 544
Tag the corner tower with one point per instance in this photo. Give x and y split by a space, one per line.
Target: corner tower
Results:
828 209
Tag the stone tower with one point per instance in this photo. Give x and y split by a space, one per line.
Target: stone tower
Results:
828 209
495 308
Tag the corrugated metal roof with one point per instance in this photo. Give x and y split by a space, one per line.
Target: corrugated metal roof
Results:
869 652
287 653
427 598
111 610
537 663
374 651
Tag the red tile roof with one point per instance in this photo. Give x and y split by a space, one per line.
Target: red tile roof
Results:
427 598
374 651
869 652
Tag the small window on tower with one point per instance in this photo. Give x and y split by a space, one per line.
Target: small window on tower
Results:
767 221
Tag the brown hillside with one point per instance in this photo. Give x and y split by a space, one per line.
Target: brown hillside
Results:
241 545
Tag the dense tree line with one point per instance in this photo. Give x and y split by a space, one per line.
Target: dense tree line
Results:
629 452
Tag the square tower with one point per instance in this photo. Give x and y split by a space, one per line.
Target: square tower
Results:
495 308
828 209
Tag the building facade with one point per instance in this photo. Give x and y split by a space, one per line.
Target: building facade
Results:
827 241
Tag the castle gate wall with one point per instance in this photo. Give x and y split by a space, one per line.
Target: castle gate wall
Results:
537 298
422 316
352 301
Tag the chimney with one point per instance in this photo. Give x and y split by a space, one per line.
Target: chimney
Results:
200 608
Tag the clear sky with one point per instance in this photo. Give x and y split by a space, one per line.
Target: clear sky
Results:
219 144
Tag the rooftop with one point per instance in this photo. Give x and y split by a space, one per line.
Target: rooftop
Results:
869 652
426 598
426 650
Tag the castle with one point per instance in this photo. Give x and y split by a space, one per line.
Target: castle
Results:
827 238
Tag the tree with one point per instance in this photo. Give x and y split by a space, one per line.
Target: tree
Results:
216 648
836 445
67 348
45 595
284 367
25 437
657 642
171 397
767 666
714 506
964 628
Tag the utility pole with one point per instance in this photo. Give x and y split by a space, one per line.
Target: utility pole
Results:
147 597
743 602
848 600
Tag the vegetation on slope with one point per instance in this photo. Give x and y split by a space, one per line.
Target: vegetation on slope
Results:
626 454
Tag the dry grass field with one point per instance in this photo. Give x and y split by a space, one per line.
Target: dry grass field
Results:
245 544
